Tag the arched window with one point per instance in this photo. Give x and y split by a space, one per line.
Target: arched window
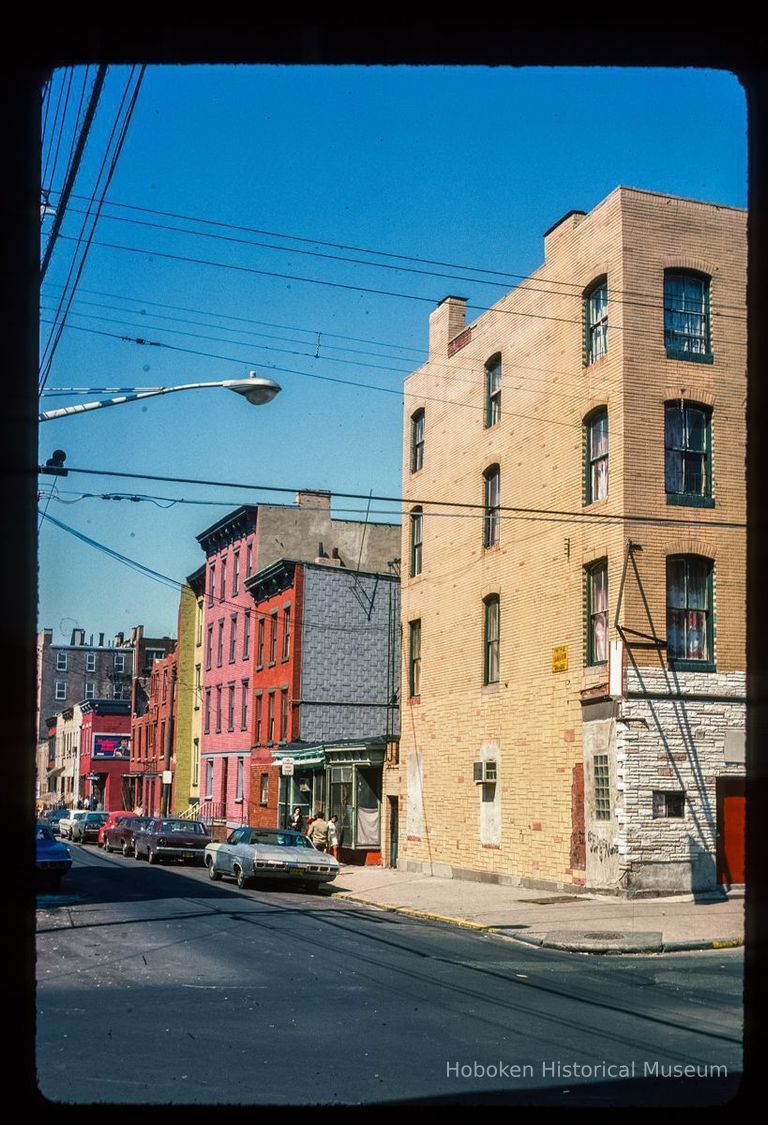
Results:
493 391
596 455
689 610
417 527
686 315
417 440
688 453
597 612
596 320
491 627
491 505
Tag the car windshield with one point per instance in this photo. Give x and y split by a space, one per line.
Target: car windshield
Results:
43 833
96 817
191 827
280 839
135 823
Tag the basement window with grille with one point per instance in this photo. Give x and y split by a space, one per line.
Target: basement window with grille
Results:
668 804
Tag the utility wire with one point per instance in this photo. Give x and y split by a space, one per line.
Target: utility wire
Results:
322 378
238 343
67 294
78 125
54 127
524 371
243 319
174 583
70 77
113 164
578 516
149 252
66 191
577 286
135 317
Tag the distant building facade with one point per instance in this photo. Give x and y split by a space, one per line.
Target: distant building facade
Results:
82 669
105 748
152 734
326 699
237 547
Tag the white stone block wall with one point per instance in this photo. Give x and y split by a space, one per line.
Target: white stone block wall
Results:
674 744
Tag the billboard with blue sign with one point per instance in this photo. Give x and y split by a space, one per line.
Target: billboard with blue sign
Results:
111 746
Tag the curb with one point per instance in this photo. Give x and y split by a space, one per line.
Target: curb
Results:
714 943
538 942
411 912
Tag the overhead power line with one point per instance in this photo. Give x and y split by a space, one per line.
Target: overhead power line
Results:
66 191
176 584
121 131
505 276
413 502
248 320
523 371
148 251
322 378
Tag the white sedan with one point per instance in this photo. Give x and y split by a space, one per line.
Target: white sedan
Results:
66 823
269 853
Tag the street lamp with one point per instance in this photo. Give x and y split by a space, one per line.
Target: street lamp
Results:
255 389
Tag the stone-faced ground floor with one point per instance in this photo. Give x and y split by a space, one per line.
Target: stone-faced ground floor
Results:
654 802
664 776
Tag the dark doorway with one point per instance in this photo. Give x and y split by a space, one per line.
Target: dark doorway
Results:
394 809
731 816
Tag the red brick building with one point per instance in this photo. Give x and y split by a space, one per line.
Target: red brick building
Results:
325 683
105 740
240 545
152 738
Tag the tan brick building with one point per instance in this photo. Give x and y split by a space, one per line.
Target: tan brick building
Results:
574 644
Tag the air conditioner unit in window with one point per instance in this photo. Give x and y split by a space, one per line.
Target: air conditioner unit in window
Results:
484 772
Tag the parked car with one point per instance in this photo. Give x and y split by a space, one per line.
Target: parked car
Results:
52 858
54 818
66 823
86 828
270 853
119 837
112 819
169 838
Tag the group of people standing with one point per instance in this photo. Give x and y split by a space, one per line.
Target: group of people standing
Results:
324 834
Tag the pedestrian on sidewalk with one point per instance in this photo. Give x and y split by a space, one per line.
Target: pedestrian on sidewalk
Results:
333 836
297 820
318 832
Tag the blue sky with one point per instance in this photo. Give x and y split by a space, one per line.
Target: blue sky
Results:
466 165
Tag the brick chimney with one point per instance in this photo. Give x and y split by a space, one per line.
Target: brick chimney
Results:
313 498
445 323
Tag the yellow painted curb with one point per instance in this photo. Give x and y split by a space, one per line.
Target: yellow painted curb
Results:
727 943
416 913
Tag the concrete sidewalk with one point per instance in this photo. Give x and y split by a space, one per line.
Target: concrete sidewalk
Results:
578 922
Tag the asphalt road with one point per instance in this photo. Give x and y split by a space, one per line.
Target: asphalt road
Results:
157 985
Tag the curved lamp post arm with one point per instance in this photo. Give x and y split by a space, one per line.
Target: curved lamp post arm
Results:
255 389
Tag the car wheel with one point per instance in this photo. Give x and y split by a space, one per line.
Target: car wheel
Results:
242 881
137 852
107 847
152 856
212 872
126 849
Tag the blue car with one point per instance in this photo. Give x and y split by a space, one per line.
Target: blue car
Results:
53 859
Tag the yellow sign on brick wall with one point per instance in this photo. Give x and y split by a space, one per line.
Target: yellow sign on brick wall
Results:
560 658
